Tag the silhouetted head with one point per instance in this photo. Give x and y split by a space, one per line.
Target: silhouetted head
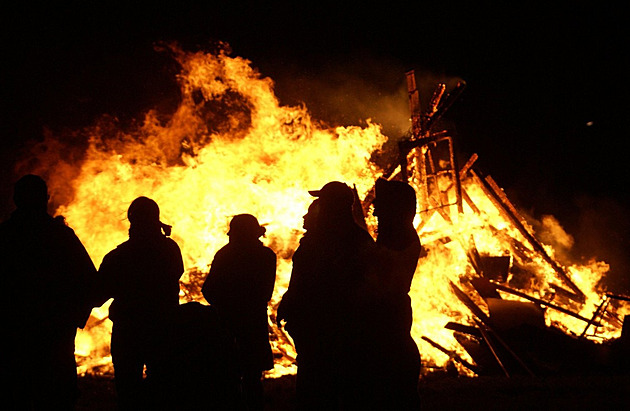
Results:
394 199
245 227
335 195
31 193
144 211
144 215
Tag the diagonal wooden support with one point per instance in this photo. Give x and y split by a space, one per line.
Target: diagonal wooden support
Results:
598 312
491 346
496 195
468 302
468 166
543 302
484 324
452 355
425 220
446 103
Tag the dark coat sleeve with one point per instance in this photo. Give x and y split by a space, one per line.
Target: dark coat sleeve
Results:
85 274
214 285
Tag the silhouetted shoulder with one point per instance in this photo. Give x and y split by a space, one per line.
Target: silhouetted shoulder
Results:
269 253
173 248
161 244
63 229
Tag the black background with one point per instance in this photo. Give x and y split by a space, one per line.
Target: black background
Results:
545 104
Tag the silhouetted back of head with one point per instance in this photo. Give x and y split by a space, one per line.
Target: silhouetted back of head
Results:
143 212
144 217
245 227
395 199
31 193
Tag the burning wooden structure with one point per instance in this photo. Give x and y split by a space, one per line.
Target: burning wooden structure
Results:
509 335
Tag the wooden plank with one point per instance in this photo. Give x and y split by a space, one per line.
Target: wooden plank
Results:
464 329
464 170
414 104
434 103
446 103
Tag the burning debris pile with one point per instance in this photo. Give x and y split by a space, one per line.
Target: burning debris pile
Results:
526 312
230 148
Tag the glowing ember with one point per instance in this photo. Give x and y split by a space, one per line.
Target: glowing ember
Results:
231 148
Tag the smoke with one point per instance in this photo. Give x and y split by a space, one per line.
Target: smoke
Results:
551 232
57 158
356 88
352 89
603 231
590 230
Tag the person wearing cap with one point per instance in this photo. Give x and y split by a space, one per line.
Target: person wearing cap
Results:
239 285
331 263
46 275
142 276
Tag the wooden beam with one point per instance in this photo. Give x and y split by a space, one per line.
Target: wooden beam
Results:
542 302
451 354
499 198
493 350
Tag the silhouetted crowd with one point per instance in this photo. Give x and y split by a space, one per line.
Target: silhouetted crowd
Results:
347 308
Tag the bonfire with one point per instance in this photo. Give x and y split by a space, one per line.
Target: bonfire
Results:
230 147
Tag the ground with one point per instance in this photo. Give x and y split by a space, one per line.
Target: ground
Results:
610 392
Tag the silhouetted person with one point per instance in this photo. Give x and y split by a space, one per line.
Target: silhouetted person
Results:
291 310
302 317
45 274
329 268
398 360
142 276
240 284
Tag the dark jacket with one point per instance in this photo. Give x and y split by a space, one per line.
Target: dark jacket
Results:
45 273
45 276
142 276
239 285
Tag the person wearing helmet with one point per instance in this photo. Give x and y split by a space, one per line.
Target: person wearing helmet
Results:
142 276
239 285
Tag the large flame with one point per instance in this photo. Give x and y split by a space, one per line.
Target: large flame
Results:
231 148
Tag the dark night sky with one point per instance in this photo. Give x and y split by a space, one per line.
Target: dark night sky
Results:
536 77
